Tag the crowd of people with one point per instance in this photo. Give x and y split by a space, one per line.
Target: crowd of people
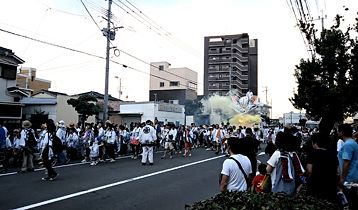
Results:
298 156
327 165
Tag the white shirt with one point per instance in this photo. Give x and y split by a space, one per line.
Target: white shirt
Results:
174 133
72 140
61 134
147 135
48 141
100 134
231 169
110 136
17 143
340 143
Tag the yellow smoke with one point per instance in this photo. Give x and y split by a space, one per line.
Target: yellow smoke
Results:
245 120
218 104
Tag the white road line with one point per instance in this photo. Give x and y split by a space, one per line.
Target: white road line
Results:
113 184
68 165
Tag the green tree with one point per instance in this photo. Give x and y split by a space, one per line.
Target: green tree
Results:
328 81
85 106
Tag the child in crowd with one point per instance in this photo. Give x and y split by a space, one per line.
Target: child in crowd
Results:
94 153
256 182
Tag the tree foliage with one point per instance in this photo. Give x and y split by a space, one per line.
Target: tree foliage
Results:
85 105
328 81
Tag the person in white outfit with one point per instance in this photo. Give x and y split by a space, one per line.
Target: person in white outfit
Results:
47 153
147 138
110 138
234 177
94 153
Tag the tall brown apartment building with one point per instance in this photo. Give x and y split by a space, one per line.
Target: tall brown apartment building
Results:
230 62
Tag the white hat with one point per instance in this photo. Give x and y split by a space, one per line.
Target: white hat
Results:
61 123
26 124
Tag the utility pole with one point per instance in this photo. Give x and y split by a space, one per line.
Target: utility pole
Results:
107 33
266 90
120 86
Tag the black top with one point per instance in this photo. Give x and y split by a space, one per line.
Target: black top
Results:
323 181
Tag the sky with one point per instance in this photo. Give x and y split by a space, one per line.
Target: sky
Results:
183 25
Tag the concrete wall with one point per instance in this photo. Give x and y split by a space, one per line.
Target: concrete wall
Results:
4 84
183 75
151 110
65 111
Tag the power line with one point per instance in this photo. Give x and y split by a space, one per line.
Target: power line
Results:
168 33
49 43
137 19
162 33
93 55
290 5
140 16
90 15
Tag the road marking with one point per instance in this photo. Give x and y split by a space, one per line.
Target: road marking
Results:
68 165
114 184
61 166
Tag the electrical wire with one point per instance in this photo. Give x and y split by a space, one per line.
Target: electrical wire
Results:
167 32
290 5
162 33
137 19
90 15
96 56
144 19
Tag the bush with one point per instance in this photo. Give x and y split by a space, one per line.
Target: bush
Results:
261 201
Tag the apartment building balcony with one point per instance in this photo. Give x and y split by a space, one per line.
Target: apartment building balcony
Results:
219 88
238 84
244 40
239 48
239 66
239 75
219 60
219 79
240 57
216 44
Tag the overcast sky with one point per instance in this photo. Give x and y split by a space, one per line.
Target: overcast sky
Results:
184 23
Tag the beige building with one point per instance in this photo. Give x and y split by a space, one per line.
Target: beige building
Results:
172 85
27 79
50 105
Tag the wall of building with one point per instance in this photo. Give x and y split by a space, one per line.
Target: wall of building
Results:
253 66
65 111
226 65
183 75
4 84
151 110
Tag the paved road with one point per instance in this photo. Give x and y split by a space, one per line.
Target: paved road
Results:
124 184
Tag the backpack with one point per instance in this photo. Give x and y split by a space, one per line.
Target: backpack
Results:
2 138
57 146
31 140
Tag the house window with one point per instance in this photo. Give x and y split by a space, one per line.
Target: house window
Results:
161 68
161 84
8 73
192 86
174 83
174 101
